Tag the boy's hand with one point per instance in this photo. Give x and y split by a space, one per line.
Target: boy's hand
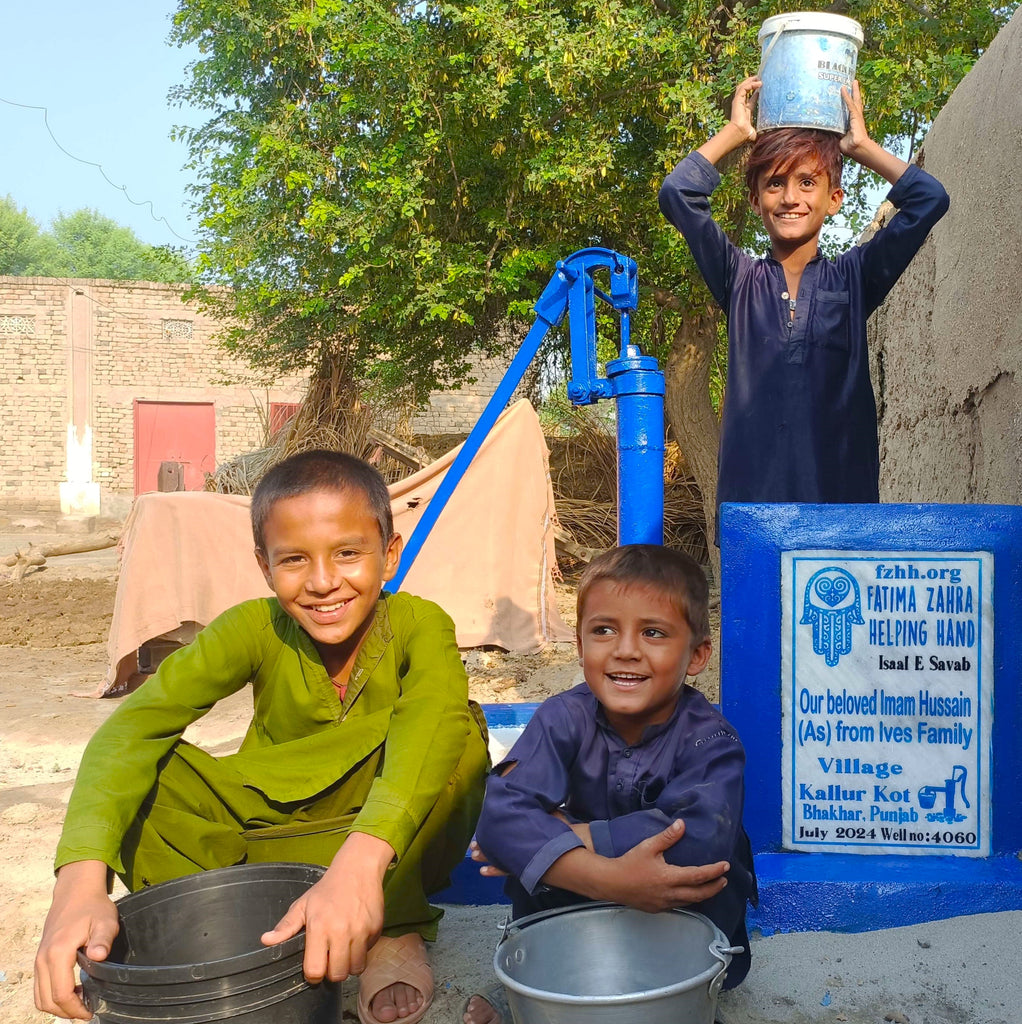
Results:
82 915
643 879
640 878
740 129
857 144
487 870
857 136
743 105
342 913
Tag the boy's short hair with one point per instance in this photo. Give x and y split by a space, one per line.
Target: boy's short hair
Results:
673 573
320 470
779 150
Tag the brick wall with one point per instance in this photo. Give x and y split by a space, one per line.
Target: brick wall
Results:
82 352
455 412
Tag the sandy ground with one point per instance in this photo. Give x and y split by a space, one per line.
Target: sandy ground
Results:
52 633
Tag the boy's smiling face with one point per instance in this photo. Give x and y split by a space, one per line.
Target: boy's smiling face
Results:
325 560
636 647
794 203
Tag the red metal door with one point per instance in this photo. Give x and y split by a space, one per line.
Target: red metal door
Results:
281 413
182 432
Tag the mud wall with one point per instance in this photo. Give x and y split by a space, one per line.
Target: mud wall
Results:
947 344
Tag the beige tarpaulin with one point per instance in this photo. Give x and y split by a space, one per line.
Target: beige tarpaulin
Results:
187 556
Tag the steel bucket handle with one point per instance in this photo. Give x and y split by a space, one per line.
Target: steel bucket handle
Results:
715 947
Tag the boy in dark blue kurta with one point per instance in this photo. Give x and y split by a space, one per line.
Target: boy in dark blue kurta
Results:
799 417
629 787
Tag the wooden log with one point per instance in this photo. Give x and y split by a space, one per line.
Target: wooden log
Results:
411 455
35 555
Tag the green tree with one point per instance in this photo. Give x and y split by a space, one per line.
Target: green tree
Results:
88 244
82 244
24 248
380 184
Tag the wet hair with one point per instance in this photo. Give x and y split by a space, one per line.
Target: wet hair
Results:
320 470
675 574
778 151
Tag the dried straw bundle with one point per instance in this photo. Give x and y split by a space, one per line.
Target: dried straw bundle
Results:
333 416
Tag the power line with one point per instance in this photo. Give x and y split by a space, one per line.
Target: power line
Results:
91 163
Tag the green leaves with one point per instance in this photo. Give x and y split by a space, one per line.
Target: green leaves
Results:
82 244
400 178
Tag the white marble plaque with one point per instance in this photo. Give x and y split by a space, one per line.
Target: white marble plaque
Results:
887 701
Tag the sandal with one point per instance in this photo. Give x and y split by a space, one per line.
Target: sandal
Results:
391 961
496 996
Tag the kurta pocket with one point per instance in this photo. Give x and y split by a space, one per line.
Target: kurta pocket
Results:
309 842
831 328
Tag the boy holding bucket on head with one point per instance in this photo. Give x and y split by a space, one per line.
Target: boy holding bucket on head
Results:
364 754
799 421
628 787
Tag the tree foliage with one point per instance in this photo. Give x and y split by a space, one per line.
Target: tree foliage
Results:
81 244
380 183
87 244
22 245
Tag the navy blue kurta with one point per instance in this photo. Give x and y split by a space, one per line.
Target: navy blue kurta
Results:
799 420
690 767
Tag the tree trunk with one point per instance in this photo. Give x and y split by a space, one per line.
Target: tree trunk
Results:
690 412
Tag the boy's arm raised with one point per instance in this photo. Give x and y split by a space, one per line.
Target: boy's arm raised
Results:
684 196
857 143
920 199
740 128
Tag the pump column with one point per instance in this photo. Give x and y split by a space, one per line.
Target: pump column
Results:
638 385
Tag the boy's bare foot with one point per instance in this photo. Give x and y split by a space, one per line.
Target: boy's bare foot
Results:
490 1008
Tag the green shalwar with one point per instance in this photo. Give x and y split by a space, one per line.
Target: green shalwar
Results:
402 757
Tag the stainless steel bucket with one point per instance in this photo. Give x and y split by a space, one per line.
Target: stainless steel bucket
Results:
599 963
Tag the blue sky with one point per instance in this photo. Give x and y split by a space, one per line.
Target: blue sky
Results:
103 71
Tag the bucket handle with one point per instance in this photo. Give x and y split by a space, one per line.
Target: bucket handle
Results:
717 983
718 979
508 925
770 46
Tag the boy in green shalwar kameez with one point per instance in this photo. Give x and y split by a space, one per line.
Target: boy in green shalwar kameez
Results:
364 754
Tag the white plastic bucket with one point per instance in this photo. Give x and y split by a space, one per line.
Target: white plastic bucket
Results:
807 57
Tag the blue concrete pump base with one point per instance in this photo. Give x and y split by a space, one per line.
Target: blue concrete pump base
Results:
801 892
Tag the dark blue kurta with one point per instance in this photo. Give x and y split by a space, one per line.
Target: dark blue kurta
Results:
689 767
799 420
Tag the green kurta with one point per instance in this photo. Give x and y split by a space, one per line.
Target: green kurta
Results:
403 745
